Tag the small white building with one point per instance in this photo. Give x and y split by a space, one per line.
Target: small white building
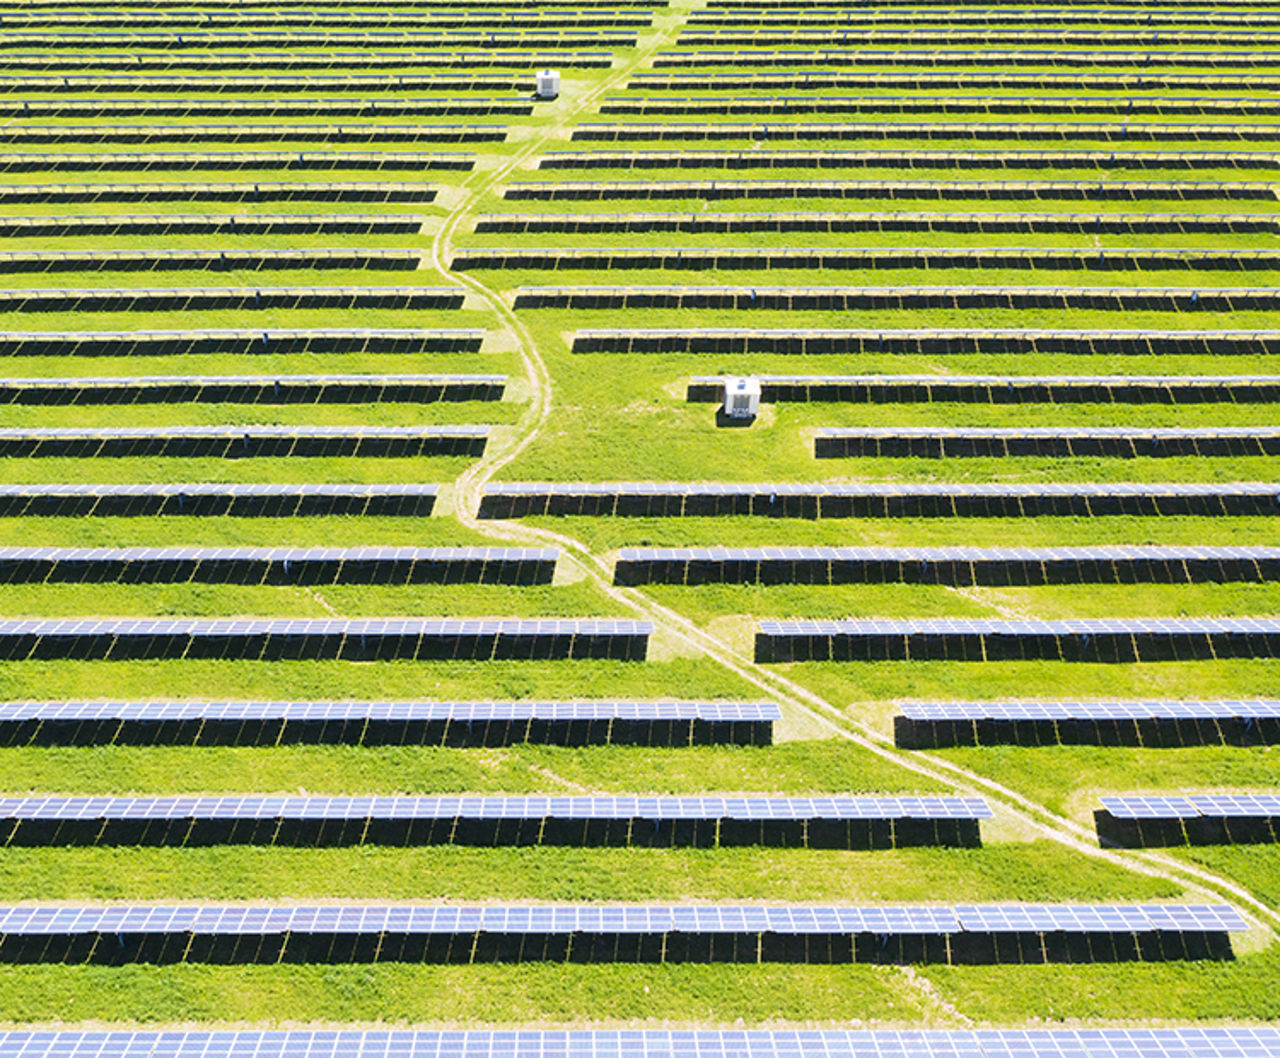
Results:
548 84
741 398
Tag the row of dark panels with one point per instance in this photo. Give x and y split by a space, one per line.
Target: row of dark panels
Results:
728 223
665 724
1150 724
927 341
826 104
275 639
235 260
237 442
191 161
998 389
229 191
1223 819
907 500
907 159
701 36
199 299
890 190
245 389
210 500
1074 131
44 109
390 40
281 565
832 443
849 298
649 500
270 341
1096 640
1014 933
827 17
604 822
712 258
1138 84
328 59
999 442
99 224
191 85
1169 55
199 21
1184 1042
961 566
299 132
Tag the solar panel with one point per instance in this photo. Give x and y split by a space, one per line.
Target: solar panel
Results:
1231 1041
956 639
489 821
359 565
267 639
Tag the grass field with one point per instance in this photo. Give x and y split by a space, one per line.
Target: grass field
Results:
599 417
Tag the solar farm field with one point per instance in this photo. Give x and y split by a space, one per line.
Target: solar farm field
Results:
397 630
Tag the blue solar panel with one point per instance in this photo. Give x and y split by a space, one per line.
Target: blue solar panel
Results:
492 807
1191 1042
1099 710
620 918
1193 806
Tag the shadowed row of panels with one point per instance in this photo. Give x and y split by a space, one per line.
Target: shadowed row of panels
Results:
1012 933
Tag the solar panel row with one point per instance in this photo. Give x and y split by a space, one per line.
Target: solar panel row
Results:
957 639
624 933
234 442
386 191
193 299
250 389
50 227
938 341
249 133
913 190
214 107
1003 389
1233 1041
1021 223
196 499
1074 131
645 822
1004 105
1111 59
832 299
268 161
269 341
273 639
1154 724
283 565
944 565
571 723
302 39
332 59
1115 441
873 259
1213 819
905 500
53 261
909 159
1118 80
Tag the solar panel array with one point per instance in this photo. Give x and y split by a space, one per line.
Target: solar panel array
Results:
207 499
1198 819
1114 640
595 821
950 442
368 639
1003 389
940 565
1034 933
1228 1041
898 500
1156 724
269 341
253 389
261 565
480 723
